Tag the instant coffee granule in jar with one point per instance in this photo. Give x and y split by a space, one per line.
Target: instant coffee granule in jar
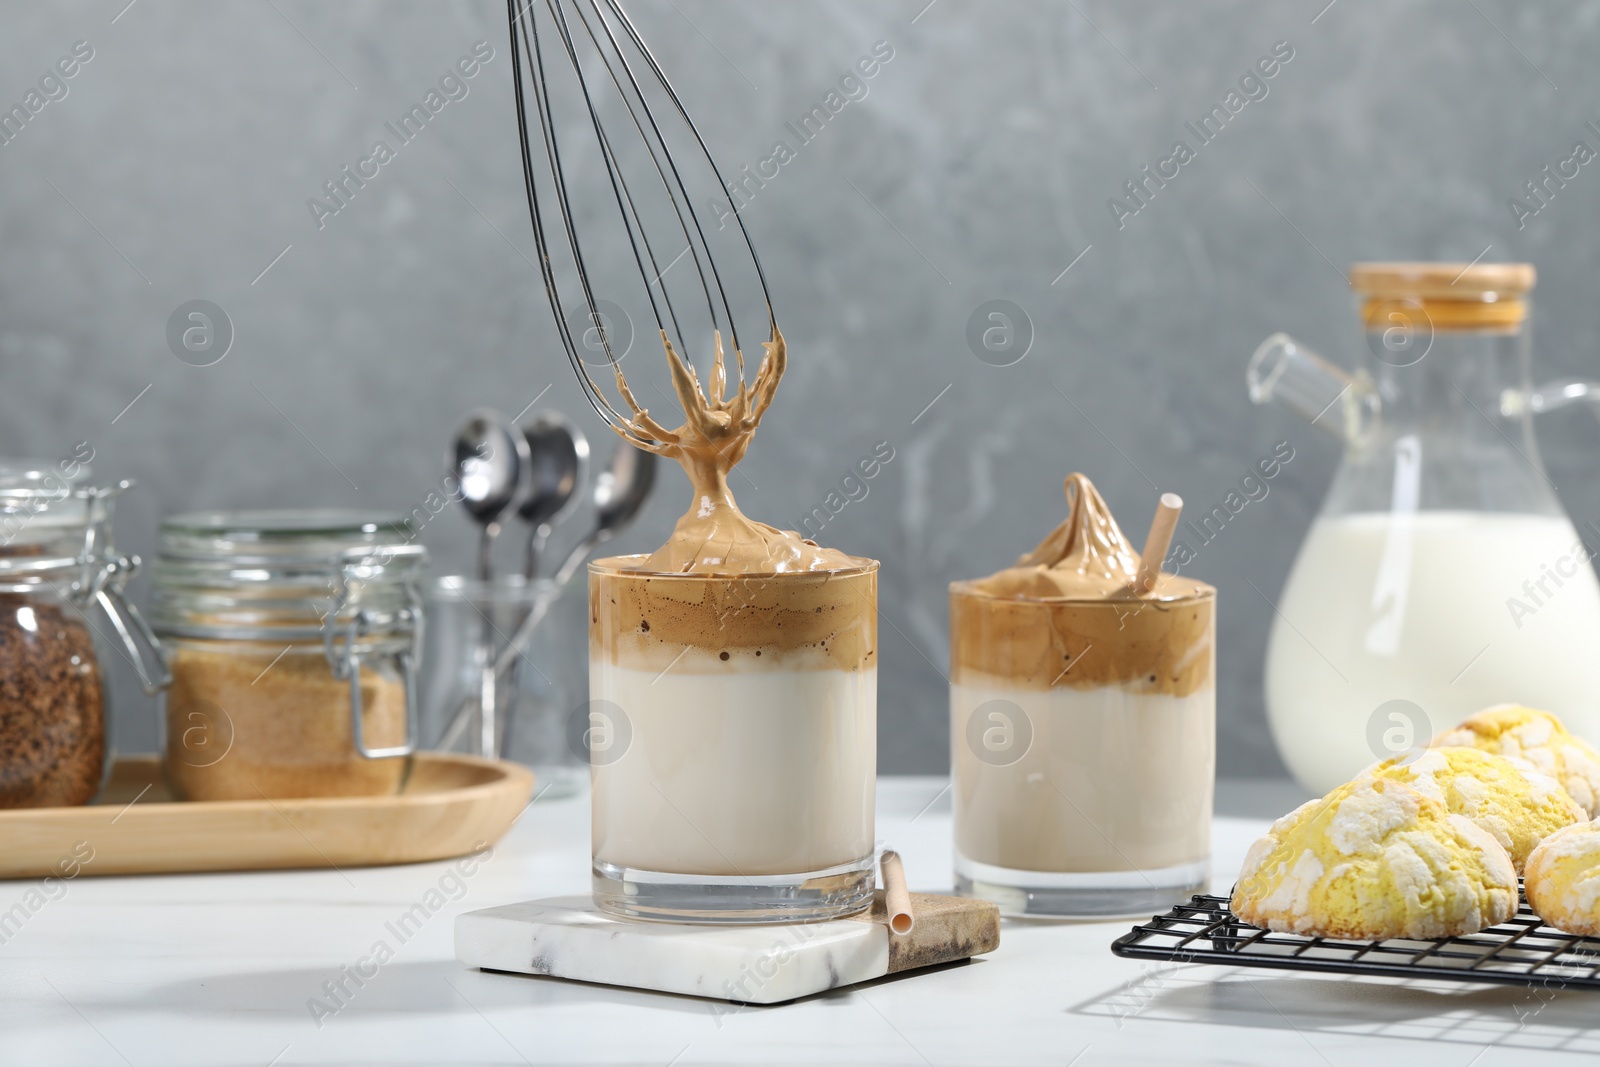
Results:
59 564
52 707
267 617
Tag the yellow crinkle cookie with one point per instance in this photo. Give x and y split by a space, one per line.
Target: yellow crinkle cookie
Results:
1538 737
1506 795
1376 859
1563 879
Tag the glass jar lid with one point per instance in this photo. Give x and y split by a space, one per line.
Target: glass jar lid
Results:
51 516
287 538
24 480
283 573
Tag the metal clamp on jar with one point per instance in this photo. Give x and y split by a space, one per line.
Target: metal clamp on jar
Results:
293 638
56 559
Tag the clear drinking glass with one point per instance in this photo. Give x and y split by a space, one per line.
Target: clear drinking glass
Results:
542 710
1083 750
732 743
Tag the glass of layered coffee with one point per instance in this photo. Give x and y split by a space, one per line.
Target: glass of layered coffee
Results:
1083 726
732 721
738 780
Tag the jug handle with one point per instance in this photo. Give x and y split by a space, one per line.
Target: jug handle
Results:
1551 396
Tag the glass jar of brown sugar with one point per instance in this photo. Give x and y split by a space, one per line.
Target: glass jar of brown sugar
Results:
57 562
293 639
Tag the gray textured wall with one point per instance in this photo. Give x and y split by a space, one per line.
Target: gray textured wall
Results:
179 163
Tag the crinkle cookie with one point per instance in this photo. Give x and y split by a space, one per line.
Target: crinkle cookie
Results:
1506 795
1563 879
1538 737
1376 859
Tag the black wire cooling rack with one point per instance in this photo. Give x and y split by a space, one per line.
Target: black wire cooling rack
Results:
1520 951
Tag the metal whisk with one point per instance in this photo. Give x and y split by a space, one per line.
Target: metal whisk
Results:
579 66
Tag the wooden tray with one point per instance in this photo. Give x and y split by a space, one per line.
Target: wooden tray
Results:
450 804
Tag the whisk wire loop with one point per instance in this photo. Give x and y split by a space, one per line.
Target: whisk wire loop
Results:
546 61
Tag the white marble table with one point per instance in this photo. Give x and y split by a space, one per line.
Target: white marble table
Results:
219 969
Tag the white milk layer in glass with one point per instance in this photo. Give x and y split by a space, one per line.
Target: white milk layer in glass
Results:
735 772
1110 780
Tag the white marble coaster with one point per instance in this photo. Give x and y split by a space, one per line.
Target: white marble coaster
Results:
568 937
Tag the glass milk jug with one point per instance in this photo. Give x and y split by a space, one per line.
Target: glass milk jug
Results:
1441 575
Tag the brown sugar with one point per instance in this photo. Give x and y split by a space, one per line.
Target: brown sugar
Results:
52 707
241 726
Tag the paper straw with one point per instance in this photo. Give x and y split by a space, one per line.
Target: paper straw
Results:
896 899
1155 546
